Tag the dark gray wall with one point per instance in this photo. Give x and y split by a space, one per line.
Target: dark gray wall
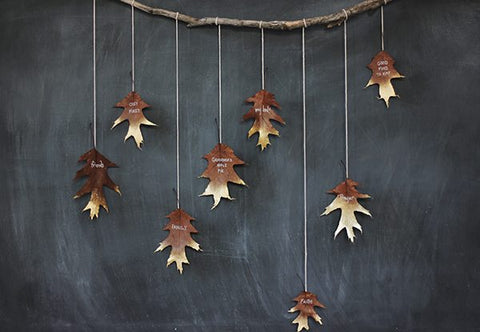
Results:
414 268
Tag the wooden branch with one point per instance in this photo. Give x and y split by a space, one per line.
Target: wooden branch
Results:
329 21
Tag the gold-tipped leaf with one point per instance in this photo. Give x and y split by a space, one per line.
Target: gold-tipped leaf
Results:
263 113
383 71
346 201
133 106
221 161
306 303
180 229
96 169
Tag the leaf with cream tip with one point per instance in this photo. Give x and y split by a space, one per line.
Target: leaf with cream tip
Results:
263 113
180 228
306 303
346 201
220 171
383 71
96 169
133 107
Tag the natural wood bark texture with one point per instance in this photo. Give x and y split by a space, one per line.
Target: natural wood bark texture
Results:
329 21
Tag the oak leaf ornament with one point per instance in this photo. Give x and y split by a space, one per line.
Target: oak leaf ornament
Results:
383 71
220 172
306 303
96 169
263 113
133 106
347 202
180 228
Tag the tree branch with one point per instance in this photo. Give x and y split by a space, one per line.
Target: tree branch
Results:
329 21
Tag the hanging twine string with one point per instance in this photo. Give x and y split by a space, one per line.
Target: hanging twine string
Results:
346 89
133 45
177 112
304 160
383 28
263 56
94 28
219 81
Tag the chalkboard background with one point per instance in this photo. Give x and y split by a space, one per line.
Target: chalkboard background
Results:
414 268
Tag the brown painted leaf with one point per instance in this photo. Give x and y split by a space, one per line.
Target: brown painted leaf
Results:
306 303
262 112
383 71
180 228
96 170
221 161
346 200
133 106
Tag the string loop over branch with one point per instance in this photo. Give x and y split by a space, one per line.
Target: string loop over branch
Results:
329 21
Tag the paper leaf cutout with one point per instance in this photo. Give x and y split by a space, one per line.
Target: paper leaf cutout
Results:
133 106
221 161
306 303
262 112
383 72
95 169
180 228
346 200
